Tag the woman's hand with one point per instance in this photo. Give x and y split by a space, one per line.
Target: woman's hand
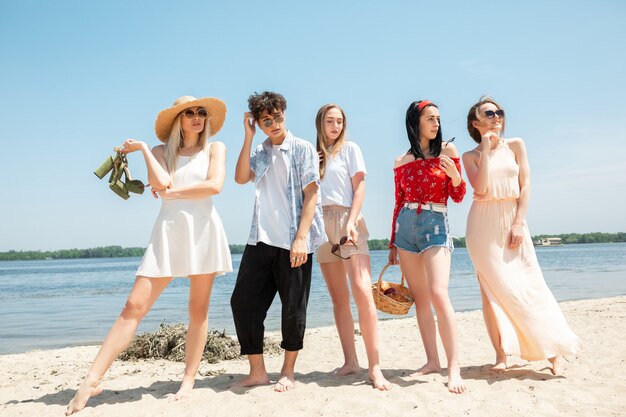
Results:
165 193
449 167
489 140
351 232
132 145
248 124
516 235
393 256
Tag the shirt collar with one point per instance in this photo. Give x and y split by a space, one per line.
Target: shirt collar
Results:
283 146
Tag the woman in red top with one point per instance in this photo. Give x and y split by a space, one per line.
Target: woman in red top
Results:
425 177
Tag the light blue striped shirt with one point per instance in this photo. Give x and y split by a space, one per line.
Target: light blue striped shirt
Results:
302 169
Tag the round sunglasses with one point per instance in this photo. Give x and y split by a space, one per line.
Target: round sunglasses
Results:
269 122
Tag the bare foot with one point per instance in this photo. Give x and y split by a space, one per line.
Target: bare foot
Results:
500 365
185 389
285 383
557 366
429 368
379 380
456 385
348 369
89 388
251 381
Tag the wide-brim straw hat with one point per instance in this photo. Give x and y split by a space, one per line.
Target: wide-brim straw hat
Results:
165 119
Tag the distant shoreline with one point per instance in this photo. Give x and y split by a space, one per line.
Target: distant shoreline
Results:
373 244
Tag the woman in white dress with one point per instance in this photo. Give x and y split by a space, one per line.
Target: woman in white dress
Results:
188 239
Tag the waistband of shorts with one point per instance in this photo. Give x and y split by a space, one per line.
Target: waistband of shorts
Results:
428 206
335 208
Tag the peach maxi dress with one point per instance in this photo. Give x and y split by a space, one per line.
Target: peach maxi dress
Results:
530 321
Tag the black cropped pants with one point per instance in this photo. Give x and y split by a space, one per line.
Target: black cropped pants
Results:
264 271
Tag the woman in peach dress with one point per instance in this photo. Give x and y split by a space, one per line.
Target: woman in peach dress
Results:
521 314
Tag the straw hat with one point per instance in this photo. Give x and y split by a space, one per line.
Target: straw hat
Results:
214 106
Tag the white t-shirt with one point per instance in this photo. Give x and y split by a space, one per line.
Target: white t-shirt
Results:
273 203
336 186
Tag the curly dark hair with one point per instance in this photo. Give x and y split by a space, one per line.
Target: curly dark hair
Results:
267 100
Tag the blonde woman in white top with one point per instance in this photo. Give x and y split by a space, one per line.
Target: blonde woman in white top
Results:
187 240
346 256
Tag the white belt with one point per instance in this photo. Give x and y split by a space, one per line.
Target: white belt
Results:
429 206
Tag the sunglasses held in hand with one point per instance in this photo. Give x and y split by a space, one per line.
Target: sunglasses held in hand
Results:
336 246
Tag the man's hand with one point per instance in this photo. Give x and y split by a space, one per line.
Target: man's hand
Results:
248 124
298 255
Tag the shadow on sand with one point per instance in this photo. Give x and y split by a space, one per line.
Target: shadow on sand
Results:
399 377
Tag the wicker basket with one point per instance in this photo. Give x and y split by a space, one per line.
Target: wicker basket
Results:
398 299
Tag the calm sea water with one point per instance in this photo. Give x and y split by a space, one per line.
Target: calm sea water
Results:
57 303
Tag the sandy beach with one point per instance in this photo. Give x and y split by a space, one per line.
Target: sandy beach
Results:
40 383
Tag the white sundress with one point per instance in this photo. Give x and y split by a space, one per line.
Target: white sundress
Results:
188 237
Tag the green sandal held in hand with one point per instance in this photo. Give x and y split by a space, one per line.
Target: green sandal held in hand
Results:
119 165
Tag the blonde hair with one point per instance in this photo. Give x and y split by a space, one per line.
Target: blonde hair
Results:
176 140
321 136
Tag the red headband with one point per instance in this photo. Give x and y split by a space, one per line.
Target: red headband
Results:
423 104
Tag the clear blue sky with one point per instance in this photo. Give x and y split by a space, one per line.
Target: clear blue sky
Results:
77 78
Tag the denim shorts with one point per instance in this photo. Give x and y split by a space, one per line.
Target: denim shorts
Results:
418 232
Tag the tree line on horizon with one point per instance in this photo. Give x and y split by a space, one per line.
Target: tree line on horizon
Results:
373 244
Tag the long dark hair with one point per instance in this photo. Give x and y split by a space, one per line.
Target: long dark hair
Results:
413 132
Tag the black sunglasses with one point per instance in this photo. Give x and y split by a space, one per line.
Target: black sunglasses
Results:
491 114
336 246
201 112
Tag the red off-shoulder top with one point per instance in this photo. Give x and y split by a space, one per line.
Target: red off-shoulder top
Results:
423 181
